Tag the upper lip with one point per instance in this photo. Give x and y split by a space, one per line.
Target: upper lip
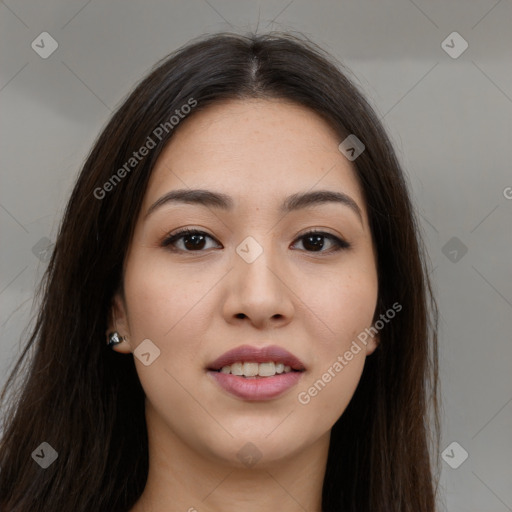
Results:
248 353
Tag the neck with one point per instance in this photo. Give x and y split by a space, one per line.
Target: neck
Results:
183 479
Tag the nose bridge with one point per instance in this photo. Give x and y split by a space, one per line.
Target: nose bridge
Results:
258 290
255 263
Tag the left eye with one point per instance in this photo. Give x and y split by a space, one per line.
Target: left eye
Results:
314 239
196 237
196 241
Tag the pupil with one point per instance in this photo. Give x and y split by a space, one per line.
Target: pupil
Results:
314 241
318 244
196 244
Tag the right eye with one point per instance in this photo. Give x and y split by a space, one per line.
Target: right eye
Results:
193 240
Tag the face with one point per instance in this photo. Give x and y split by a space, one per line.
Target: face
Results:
254 276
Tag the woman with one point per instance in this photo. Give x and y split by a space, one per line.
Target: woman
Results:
237 313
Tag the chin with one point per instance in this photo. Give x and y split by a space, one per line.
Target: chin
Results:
257 448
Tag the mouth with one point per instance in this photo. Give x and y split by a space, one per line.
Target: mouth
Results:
253 370
253 373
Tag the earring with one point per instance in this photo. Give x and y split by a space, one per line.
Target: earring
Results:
114 338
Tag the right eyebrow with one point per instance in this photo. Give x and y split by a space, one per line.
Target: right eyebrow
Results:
293 202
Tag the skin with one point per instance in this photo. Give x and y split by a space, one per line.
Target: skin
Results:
196 305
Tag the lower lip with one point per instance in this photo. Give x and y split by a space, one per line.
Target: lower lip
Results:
263 388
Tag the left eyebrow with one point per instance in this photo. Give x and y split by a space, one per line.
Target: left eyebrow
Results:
294 202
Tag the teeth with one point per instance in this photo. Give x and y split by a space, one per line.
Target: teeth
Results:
250 369
267 369
254 369
236 369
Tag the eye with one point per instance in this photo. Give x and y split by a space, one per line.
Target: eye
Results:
313 239
194 241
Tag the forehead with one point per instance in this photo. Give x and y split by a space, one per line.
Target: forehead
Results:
254 150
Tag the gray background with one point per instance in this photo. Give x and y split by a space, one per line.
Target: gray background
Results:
449 118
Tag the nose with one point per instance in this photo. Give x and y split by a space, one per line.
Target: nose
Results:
259 292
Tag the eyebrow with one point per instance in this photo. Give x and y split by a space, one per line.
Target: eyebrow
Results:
294 202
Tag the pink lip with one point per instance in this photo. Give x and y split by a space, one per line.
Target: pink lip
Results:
247 353
258 388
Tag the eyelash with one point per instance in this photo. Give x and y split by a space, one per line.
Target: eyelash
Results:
339 243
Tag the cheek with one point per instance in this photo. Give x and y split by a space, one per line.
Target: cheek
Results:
339 356
344 305
340 305
327 392
173 307
163 300
348 304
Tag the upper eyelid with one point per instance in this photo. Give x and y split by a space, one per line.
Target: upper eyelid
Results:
188 231
180 233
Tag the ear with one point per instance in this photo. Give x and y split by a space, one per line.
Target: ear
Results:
372 344
118 321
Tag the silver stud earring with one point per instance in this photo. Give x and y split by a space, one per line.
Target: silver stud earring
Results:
114 338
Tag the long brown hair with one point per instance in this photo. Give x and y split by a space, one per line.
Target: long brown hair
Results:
87 402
